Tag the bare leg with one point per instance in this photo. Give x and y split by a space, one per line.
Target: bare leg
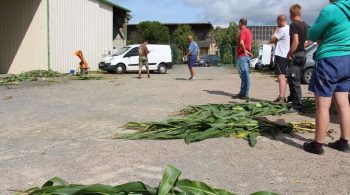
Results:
140 69
322 117
282 85
342 101
149 76
193 73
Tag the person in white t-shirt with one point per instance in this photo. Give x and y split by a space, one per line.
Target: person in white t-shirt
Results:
282 40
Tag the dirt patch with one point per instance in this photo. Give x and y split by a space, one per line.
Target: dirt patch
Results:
59 128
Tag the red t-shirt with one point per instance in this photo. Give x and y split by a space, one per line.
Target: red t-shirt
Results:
246 36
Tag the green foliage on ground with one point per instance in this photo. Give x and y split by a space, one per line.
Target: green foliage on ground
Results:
171 184
33 75
212 121
153 31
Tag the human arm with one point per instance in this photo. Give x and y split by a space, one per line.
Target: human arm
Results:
322 23
275 37
190 49
244 49
198 54
294 46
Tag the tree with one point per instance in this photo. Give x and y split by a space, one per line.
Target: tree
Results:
227 37
180 37
226 40
153 31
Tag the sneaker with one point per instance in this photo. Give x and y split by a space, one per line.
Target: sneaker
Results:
280 100
311 148
242 97
192 79
340 146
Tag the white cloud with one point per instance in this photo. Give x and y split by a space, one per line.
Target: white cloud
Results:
256 11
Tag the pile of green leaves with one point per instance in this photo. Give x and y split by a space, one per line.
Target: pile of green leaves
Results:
213 121
170 185
309 106
33 75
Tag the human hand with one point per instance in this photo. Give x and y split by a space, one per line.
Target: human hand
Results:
247 53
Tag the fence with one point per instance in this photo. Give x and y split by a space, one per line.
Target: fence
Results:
228 54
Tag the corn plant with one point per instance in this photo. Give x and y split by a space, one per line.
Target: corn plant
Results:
169 185
213 121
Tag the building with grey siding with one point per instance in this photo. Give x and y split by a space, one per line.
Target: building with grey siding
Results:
262 33
44 34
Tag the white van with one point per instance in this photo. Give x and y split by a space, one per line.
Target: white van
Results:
127 59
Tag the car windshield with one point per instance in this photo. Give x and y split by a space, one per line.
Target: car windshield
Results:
121 51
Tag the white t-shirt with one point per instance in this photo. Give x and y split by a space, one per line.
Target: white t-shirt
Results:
283 43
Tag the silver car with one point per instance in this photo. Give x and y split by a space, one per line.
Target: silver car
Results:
309 64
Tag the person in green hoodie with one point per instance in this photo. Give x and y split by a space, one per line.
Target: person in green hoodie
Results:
331 76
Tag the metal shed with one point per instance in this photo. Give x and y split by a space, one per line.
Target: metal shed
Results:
44 34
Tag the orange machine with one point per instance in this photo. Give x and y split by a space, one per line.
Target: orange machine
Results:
84 66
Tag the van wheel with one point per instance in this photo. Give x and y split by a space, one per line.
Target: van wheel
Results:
162 69
120 69
307 75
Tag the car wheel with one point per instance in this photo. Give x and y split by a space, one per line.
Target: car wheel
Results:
162 69
307 75
120 69
258 66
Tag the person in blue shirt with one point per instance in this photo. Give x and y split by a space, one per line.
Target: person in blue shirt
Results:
192 56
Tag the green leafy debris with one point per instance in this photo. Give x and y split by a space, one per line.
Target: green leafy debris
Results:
169 185
33 75
213 121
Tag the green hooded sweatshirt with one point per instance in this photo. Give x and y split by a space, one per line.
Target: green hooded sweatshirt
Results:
332 28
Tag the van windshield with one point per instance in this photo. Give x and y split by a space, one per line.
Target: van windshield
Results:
121 51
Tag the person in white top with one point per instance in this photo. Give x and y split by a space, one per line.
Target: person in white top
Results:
282 40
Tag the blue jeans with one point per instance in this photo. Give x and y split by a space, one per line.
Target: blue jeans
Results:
244 71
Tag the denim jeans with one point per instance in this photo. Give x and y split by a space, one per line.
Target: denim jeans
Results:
244 71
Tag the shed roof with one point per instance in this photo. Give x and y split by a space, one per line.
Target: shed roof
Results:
111 3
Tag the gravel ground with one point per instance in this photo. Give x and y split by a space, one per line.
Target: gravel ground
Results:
62 129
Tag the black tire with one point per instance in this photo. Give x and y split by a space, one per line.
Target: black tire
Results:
162 68
307 75
258 66
120 69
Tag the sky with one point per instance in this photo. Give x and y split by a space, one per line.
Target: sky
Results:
218 12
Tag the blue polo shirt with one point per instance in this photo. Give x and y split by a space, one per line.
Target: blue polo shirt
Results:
193 48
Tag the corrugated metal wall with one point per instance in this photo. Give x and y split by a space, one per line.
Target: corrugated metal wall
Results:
23 36
85 25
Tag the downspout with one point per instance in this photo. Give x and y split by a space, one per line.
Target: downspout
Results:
48 34
126 31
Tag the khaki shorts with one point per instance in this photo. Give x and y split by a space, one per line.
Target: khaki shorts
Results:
143 61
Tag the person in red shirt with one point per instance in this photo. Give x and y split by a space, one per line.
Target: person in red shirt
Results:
244 50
